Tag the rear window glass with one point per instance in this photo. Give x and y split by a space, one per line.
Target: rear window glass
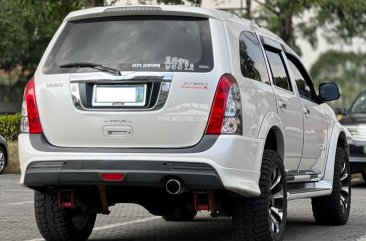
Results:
173 44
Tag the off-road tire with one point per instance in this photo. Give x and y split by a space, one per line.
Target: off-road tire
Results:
329 210
57 224
183 213
251 218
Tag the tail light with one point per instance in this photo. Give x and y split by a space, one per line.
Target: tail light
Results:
30 117
226 110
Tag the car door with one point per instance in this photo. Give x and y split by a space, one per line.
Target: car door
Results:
315 122
289 107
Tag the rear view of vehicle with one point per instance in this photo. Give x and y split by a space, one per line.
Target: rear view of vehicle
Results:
119 110
179 110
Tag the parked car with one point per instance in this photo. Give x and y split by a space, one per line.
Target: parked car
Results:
355 123
180 110
3 154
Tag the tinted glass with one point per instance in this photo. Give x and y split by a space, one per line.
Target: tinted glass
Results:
252 62
302 86
135 44
303 80
359 106
279 74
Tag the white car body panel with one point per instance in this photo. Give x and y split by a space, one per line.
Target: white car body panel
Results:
315 136
292 121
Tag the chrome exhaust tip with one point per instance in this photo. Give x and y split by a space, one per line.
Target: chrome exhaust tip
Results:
174 187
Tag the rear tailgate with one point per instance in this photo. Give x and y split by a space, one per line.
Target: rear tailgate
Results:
167 60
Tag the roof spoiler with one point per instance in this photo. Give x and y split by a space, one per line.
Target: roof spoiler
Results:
142 10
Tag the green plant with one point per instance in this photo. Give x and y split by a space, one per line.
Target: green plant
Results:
10 126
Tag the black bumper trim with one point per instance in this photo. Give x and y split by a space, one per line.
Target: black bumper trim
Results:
141 173
40 143
357 151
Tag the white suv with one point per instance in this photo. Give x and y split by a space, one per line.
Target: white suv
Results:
180 110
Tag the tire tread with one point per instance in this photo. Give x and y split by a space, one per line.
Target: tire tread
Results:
250 215
55 223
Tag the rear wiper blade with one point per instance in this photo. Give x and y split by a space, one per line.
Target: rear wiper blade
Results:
91 65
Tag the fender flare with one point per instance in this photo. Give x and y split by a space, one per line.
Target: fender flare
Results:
337 130
272 121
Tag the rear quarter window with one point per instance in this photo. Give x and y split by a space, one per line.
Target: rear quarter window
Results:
138 43
252 63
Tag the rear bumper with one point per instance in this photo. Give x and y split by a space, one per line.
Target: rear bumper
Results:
230 162
143 174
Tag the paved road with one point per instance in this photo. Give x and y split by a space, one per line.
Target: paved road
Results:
129 222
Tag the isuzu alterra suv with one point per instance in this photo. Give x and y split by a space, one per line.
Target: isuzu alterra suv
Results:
179 110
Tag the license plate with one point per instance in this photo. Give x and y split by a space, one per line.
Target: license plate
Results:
119 95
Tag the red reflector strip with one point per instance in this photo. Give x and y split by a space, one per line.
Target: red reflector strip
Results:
115 177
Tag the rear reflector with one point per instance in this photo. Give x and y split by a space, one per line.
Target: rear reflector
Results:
114 177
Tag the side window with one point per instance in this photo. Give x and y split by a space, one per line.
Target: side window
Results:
303 82
252 61
279 74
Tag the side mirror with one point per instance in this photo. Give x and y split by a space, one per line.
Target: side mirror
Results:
328 92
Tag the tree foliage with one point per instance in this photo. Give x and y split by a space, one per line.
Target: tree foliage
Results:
342 20
27 26
347 69
339 20
279 15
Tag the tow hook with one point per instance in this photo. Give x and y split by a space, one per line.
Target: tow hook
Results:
67 199
204 201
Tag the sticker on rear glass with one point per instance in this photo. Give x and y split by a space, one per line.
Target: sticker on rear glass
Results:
175 63
150 66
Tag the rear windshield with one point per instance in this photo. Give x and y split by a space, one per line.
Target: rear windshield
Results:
155 43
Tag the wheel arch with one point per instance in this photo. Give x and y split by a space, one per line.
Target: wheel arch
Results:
338 139
275 141
342 140
272 132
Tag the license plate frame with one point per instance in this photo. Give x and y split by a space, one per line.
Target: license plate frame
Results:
119 95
